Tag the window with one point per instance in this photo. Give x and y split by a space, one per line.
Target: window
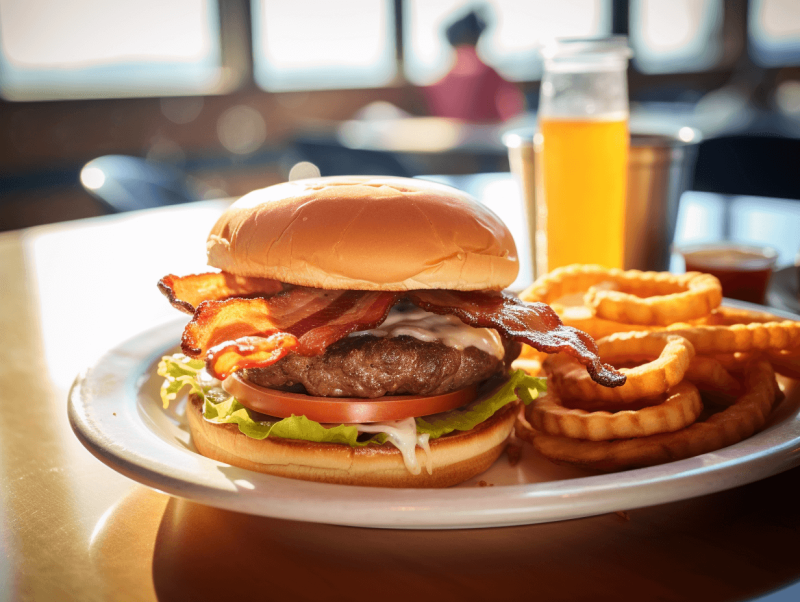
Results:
52 49
313 45
516 31
774 29
672 36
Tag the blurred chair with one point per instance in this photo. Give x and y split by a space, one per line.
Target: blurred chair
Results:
749 165
334 159
123 183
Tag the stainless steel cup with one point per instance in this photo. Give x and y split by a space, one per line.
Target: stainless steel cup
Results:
521 159
660 168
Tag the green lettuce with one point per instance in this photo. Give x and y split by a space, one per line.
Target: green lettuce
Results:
218 406
519 386
231 411
179 371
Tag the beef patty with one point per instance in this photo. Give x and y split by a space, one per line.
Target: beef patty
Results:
369 366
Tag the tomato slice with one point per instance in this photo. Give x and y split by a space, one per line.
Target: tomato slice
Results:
343 410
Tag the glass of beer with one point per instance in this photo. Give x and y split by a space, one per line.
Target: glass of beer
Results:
582 149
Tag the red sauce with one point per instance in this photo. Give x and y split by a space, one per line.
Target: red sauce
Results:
744 272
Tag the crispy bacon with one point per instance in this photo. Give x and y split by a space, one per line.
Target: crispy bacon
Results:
186 293
313 318
239 333
248 352
533 323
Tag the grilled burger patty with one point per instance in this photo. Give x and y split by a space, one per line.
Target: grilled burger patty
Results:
369 366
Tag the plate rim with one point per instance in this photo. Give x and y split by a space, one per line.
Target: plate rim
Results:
117 375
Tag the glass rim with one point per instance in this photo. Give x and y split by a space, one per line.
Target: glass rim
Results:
607 47
761 253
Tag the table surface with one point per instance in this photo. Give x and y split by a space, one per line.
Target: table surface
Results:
73 529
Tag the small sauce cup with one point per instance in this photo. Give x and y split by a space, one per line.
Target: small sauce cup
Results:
744 271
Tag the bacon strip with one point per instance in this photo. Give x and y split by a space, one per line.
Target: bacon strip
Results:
533 323
313 318
186 293
238 332
248 352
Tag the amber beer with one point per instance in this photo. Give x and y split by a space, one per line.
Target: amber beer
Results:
582 154
584 164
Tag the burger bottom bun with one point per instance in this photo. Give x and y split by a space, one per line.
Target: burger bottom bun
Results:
456 457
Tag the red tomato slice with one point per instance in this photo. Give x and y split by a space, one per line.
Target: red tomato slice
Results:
343 410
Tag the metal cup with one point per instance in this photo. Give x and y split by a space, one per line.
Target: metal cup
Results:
660 168
521 159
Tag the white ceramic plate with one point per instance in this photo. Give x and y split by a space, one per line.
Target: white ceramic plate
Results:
115 410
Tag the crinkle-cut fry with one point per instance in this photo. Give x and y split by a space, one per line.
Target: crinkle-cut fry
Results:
573 282
655 298
564 281
523 428
582 318
681 408
531 366
708 374
727 316
662 298
734 362
786 362
671 359
763 336
741 420
529 352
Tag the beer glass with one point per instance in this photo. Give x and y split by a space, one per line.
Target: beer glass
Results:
583 149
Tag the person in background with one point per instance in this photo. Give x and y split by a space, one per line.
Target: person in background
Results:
472 90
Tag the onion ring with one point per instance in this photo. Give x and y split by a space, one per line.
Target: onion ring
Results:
747 415
672 354
681 408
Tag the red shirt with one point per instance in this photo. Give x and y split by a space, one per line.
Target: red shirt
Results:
473 91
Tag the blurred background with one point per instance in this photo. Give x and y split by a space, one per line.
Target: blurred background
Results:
199 99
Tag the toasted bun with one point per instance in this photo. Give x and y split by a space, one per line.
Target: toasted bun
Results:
456 457
365 233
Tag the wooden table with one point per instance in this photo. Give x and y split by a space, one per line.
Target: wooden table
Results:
73 529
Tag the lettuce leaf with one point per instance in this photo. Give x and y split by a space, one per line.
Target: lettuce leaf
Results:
180 371
519 386
231 411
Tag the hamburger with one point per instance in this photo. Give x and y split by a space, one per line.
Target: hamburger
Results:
357 333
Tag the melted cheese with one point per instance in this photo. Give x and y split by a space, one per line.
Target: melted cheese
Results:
403 435
429 327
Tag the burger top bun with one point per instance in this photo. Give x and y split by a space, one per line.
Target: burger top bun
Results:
365 233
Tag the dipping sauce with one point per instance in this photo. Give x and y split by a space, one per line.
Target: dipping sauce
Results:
743 271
